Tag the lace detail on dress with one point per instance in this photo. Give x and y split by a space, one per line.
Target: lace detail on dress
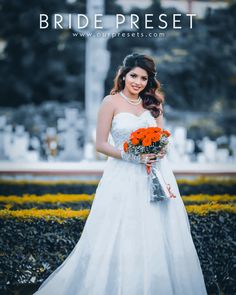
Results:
124 123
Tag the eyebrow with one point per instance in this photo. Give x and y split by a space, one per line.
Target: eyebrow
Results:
141 76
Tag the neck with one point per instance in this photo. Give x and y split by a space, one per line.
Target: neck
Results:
130 95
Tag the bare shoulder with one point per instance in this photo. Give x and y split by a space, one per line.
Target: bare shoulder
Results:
110 99
108 106
109 102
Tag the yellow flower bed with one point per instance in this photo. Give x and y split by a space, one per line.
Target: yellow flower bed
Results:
203 198
198 181
47 198
207 208
208 180
46 214
83 214
69 198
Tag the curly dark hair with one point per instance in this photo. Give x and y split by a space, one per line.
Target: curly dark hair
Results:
152 96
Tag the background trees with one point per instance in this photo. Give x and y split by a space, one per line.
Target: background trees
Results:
196 67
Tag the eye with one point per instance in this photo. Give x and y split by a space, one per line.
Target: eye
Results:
144 78
133 75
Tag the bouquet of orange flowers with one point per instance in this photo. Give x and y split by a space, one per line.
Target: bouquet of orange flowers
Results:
146 141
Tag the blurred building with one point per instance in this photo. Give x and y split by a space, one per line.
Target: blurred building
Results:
184 6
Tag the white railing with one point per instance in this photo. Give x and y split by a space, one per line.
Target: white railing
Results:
97 167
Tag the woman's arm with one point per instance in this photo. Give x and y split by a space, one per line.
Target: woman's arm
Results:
159 119
104 121
160 124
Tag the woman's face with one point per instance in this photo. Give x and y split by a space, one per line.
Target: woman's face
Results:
136 80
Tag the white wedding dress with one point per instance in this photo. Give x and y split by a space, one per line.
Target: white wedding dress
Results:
129 245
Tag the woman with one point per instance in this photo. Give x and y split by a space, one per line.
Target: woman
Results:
129 245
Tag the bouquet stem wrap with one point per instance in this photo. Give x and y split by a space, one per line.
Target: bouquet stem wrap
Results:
159 190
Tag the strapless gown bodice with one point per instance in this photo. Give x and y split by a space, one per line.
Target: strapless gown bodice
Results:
124 123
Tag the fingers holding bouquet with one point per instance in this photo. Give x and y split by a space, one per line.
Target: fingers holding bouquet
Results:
148 159
162 152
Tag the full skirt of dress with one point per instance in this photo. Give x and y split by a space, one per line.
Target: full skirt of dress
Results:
129 245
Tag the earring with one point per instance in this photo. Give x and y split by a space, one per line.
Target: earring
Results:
123 78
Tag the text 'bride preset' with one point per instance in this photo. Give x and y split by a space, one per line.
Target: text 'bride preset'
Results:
133 21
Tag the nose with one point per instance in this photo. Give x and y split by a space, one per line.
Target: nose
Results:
138 81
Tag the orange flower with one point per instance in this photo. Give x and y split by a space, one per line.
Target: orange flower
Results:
149 131
135 141
125 146
141 129
155 134
158 129
147 141
140 136
166 132
134 134
137 135
150 136
157 137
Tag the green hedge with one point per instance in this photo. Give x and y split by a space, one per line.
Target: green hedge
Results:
31 250
185 189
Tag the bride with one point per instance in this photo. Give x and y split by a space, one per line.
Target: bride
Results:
130 245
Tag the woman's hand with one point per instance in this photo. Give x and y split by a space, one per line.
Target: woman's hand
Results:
148 159
162 152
